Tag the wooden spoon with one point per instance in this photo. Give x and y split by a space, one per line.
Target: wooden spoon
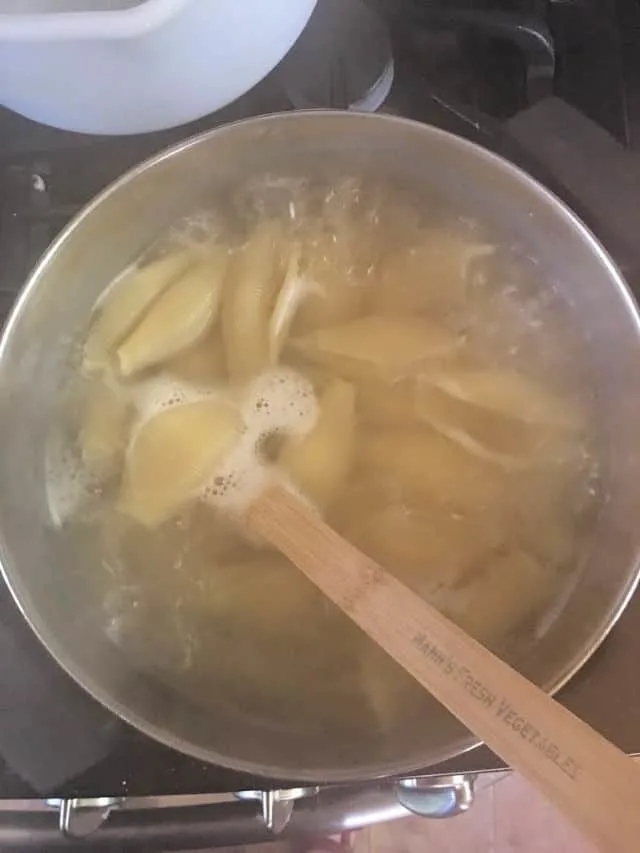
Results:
595 784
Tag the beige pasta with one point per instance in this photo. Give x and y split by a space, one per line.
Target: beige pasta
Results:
202 363
239 589
294 292
425 548
430 275
484 432
372 352
427 466
103 430
319 461
337 295
377 347
387 403
173 455
511 589
180 317
255 277
127 300
512 395
508 442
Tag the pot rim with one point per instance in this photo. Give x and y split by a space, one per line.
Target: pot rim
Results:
93 687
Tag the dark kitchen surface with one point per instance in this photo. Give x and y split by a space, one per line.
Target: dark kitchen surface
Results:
554 87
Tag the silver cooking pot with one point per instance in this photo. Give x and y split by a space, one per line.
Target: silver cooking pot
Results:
48 575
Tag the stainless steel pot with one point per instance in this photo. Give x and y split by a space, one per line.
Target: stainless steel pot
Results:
44 573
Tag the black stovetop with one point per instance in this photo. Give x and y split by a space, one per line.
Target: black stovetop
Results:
553 86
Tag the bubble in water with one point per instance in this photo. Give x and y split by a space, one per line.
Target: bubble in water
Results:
165 392
68 484
277 401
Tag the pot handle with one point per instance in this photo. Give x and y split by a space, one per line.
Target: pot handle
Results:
529 33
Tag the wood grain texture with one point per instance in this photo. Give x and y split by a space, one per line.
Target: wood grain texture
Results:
589 780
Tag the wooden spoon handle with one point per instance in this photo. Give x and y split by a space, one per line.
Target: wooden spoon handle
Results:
591 781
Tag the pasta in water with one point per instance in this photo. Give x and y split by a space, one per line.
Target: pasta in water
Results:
127 300
102 436
432 274
201 363
319 461
256 277
180 317
378 347
327 337
337 296
172 456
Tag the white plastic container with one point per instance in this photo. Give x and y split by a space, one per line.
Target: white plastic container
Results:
129 66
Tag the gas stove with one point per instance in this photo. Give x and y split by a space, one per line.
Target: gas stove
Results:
553 86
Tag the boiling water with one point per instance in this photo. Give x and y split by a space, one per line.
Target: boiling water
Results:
411 376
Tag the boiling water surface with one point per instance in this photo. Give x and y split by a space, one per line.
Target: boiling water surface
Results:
396 364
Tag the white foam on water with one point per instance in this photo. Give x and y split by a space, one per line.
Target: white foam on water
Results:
68 485
278 401
163 392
